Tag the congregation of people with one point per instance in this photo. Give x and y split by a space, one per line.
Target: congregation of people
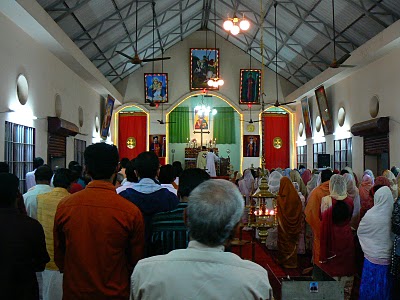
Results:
350 228
122 229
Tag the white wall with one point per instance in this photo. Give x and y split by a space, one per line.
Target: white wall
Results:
381 78
47 76
232 59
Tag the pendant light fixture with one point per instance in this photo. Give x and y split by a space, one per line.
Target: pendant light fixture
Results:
235 24
215 81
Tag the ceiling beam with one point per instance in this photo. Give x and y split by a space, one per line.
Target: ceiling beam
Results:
66 11
367 12
171 43
327 27
171 31
269 60
206 13
115 44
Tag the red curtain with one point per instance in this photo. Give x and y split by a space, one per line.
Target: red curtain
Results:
276 126
132 126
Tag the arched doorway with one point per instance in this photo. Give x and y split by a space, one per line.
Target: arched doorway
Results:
222 130
131 125
277 133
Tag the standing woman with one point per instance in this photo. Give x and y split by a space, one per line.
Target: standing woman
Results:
294 176
274 181
290 222
337 252
366 199
246 185
374 235
353 193
393 183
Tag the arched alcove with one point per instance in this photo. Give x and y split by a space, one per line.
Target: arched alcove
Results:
213 100
292 142
131 139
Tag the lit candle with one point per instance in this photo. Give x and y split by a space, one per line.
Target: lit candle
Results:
260 212
272 212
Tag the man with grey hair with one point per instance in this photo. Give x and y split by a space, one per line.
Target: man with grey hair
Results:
204 270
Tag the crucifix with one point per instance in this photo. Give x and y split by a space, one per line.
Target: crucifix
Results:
201 134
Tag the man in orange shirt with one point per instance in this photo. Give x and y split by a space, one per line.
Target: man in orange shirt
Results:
313 211
98 235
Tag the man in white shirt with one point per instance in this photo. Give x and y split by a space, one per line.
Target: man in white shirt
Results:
131 178
43 176
30 176
204 270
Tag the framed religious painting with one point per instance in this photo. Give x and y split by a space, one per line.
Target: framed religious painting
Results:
305 107
204 65
156 87
250 86
201 121
324 111
157 144
251 146
105 125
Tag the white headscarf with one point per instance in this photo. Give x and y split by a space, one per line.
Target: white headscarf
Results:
337 187
312 183
374 231
246 184
274 181
371 174
393 182
353 193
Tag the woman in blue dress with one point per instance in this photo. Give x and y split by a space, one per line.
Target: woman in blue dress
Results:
374 233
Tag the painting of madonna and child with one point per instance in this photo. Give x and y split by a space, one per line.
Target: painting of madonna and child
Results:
156 87
204 65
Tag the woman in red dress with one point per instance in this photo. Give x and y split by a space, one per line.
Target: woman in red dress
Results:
337 254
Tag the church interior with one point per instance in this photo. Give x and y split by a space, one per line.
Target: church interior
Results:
302 83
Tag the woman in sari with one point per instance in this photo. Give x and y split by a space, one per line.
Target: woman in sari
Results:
306 176
274 180
371 174
366 200
395 266
290 222
337 252
353 193
246 185
312 184
393 182
295 177
374 235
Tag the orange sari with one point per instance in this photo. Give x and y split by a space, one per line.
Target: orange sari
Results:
313 213
290 222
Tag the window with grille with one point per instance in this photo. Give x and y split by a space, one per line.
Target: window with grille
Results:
19 150
79 149
302 156
318 148
343 153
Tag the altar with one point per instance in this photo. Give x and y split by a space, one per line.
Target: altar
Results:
222 167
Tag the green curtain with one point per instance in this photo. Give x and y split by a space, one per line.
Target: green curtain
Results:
179 131
224 125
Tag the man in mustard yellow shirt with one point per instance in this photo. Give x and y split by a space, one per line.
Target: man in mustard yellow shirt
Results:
46 210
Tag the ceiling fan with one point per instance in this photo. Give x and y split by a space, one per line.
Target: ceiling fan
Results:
336 63
136 59
251 120
277 103
162 122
